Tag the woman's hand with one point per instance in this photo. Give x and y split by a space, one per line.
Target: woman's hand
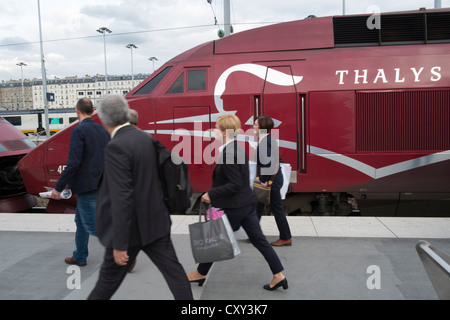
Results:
206 198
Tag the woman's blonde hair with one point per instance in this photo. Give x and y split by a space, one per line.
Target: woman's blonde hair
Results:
229 123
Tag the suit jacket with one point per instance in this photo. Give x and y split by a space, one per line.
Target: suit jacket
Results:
268 161
130 206
231 188
85 164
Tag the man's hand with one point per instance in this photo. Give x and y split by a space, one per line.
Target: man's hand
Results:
55 195
120 257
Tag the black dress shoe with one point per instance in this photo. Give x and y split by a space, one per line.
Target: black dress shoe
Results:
282 283
199 281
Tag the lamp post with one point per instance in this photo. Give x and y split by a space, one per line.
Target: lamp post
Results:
131 47
104 30
44 76
153 59
21 65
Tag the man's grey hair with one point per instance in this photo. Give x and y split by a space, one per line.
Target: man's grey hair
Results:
114 110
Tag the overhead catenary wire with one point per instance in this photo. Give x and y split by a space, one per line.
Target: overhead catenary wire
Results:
129 33
109 35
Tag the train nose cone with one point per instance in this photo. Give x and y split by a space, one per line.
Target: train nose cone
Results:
31 168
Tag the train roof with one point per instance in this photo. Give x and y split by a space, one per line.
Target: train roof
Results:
396 28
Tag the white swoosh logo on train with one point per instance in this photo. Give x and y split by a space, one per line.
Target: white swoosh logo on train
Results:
263 72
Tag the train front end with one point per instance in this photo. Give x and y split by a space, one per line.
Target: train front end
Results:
14 145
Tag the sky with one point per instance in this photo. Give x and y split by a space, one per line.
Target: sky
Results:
161 29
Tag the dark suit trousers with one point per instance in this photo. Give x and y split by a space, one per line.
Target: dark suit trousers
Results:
247 218
276 207
163 255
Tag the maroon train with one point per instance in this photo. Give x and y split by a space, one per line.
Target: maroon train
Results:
14 145
359 110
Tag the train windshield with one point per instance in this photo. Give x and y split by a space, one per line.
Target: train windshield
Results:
152 84
29 143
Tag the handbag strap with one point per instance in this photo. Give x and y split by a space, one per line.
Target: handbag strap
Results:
258 173
200 210
271 178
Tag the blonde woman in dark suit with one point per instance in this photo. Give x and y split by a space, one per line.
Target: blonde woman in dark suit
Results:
231 192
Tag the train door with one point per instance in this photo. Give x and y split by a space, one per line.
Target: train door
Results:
301 134
280 102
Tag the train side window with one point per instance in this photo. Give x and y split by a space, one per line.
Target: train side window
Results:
153 83
15 121
56 120
196 80
2 148
178 86
72 119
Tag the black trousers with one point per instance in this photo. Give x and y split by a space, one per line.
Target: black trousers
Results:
247 218
163 255
276 207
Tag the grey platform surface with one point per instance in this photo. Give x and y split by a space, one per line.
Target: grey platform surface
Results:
330 259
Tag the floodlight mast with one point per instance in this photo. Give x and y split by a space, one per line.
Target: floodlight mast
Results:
104 30
21 65
131 46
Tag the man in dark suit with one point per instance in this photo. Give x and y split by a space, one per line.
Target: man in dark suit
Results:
131 214
82 173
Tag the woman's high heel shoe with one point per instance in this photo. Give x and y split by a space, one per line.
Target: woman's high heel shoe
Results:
282 283
199 281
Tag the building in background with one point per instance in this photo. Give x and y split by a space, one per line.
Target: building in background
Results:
66 91
11 95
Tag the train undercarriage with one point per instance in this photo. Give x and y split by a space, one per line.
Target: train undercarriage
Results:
13 195
10 179
345 204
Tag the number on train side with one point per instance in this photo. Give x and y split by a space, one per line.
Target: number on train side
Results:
61 168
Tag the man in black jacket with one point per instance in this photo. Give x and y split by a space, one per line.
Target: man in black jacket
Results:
131 214
82 173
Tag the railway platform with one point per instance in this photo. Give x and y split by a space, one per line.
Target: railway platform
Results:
332 258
